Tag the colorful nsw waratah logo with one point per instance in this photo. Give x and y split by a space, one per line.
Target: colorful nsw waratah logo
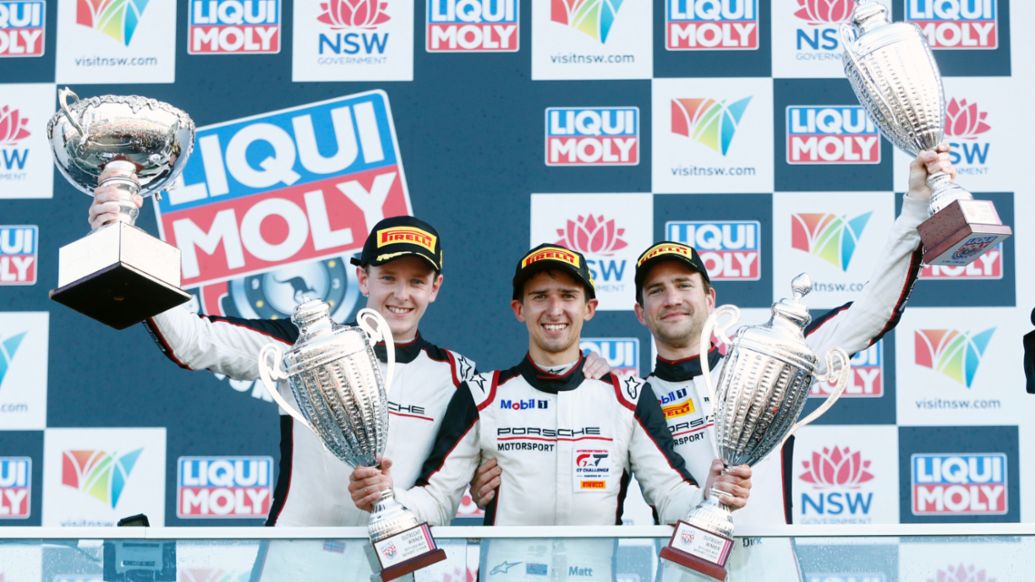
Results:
592 17
13 126
707 121
953 353
8 347
961 573
116 18
824 11
836 467
592 235
964 120
98 473
367 14
828 236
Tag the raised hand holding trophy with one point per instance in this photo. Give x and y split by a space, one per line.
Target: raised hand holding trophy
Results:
119 274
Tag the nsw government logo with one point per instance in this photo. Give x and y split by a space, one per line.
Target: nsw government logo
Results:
234 27
817 36
959 484
711 25
830 237
956 354
836 479
598 236
19 254
621 353
99 474
224 487
593 18
592 136
866 379
833 134
967 127
22 28
361 19
475 26
117 19
730 249
956 24
707 121
15 487
14 152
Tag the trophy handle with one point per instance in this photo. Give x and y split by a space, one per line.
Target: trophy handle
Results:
838 367
846 42
718 322
270 372
376 328
63 94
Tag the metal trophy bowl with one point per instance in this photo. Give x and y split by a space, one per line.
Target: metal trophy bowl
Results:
342 398
119 274
762 390
895 77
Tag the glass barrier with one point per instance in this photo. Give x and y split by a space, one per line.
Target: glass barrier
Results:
951 553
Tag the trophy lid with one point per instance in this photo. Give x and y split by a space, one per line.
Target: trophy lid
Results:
319 337
869 15
793 309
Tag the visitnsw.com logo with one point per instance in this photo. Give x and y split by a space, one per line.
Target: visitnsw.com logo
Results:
9 345
594 18
956 354
827 236
707 121
99 474
115 18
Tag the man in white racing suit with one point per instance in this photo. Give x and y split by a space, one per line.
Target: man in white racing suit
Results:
674 297
567 444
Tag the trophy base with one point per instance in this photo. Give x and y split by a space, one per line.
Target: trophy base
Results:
699 550
961 232
119 275
406 552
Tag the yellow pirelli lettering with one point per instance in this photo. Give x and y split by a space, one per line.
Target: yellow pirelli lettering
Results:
593 484
677 410
406 234
665 249
554 254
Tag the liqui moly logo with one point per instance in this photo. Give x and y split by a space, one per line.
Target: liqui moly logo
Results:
117 19
600 236
592 136
959 484
836 476
285 187
954 353
711 25
23 26
19 254
99 474
730 249
224 487
594 18
830 237
835 134
14 128
15 487
818 23
475 26
234 27
966 128
621 353
354 27
987 266
961 573
956 24
866 379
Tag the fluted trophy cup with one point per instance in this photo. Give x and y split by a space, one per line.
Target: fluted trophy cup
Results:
893 73
119 274
342 398
762 389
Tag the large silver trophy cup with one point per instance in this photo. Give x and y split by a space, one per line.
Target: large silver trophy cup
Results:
119 274
762 389
894 75
335 378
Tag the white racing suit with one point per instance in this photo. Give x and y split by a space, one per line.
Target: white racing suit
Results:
567 446
854 327
312 484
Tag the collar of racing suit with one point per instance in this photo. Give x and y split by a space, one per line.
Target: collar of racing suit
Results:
552 383
404 352
686 368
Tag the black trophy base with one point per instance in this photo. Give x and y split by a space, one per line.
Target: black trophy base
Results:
119 296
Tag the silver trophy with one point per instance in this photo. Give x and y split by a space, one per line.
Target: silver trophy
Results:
119 274
894 75
762 390
342 397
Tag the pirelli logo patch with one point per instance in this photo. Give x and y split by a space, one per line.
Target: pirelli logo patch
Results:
552 254
406 234
677 410
593 484
665 249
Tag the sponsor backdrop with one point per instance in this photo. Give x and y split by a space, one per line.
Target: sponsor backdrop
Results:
599 124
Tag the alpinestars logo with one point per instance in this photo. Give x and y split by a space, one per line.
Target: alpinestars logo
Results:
8 347
954 353
961 573
368 14
97 473
828 236
591 17
707 121
116 18
592 235
13 126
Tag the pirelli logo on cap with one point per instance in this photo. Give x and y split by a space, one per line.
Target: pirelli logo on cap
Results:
406 234
553 254
665 249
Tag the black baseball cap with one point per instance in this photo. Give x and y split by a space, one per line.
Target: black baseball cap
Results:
548 256
667 251
400 236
